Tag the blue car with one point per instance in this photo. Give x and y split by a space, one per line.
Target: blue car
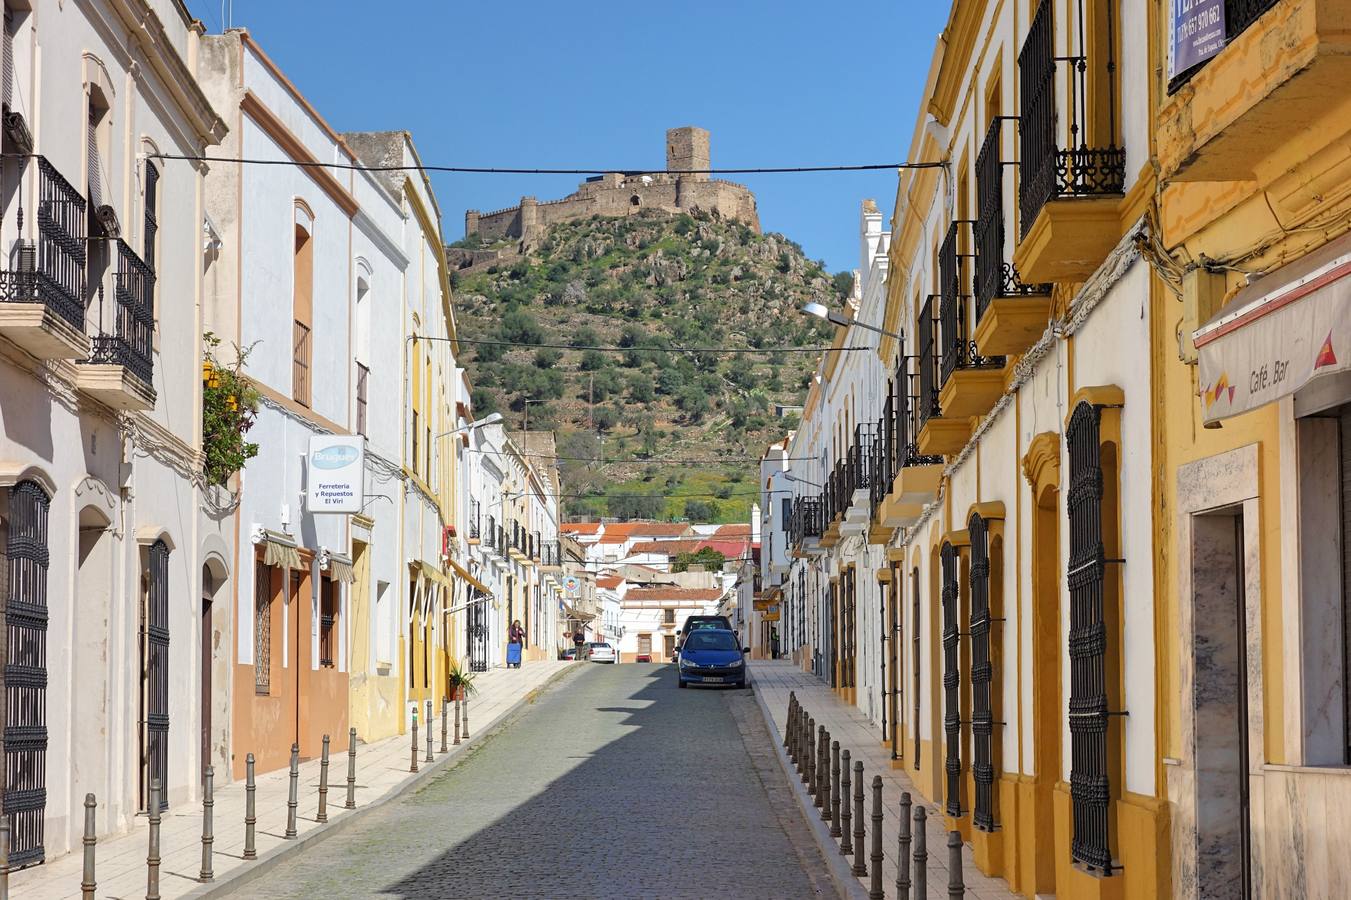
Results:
711 656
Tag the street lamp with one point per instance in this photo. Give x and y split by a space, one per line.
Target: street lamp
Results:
821 311
789 476
490 419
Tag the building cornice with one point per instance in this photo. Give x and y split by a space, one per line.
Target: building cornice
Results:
149 34
958 41
295 148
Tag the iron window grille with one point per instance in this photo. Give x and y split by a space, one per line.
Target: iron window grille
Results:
363 395
25 668
130 343
155 647
668 616
474 527
952 713
914 655
300 371
328 620
982 674
958 350
927 374
151 214
262 628
1078 170
1090 789
995 276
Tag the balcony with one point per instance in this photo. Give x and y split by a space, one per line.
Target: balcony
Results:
1010 315
1241 109
517 548
551 555
906 479
42 298
473 533
970 383
119 370
937 434
857 489
1073 171
805 526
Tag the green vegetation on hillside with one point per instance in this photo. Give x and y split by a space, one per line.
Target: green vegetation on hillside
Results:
644 285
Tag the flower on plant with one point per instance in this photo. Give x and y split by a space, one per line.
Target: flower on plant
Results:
229 407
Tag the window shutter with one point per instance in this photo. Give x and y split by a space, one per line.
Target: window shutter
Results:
95 164
8 65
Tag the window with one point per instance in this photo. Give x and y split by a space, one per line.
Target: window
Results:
417 430
952 680
151 214
262 628
668 617
363 351
363 395
914 652
328 620
982 720
155 666
25 633
1089 783
302 310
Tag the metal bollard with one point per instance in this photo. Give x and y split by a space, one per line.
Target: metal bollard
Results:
792 736
820 770
322 815
293 794
457 721
250 816
903 850
351 769
955 886
4 857
787 727
87 883
465 702
152 859
808 752
429 757
860 827
412 766
445 720
823 774
834 789
846 836
875 891
921 855
208 834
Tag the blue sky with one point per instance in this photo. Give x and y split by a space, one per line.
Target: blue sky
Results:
596 84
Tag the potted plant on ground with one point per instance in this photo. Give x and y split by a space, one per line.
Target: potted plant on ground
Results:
461 681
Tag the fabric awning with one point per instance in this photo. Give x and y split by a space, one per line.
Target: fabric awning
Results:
1278 334
464 575
340 568
278 549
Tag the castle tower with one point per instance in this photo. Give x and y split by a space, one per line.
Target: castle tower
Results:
686 150
530 226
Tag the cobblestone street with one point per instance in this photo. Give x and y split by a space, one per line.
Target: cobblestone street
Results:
615 785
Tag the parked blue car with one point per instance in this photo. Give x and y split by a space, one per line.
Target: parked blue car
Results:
711 656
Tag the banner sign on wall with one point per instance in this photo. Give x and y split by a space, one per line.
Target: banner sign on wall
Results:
337 474
1198 33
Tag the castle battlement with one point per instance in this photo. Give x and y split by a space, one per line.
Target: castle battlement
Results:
617 194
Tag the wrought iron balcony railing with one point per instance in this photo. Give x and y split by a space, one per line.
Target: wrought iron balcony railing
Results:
53 270
129 342
363 395
958 349
1078 169
927 363
995 276
475 529
805 520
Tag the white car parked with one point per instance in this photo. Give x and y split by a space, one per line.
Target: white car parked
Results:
600 651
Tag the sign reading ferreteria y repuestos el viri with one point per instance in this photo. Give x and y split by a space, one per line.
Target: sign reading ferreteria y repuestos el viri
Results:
1198 33
335 481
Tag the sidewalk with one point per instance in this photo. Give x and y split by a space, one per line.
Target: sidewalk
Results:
382 774
846 724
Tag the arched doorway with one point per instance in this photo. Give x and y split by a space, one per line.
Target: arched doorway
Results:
90 677
214 577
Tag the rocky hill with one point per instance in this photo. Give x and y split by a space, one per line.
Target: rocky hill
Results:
646 284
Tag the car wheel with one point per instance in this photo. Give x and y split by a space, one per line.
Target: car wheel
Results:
681 683
740 685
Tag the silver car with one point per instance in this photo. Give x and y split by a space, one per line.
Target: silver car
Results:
600 651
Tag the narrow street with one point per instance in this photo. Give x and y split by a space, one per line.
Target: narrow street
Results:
616 785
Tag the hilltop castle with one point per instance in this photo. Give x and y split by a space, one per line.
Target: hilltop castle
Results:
616 194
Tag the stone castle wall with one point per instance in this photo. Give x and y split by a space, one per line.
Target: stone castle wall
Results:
615 195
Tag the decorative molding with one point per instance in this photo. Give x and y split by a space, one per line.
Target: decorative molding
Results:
293 147
1041 463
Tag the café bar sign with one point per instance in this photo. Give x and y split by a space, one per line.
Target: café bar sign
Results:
1198 33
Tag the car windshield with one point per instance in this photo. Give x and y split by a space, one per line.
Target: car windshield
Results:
711 640
707 623
600 645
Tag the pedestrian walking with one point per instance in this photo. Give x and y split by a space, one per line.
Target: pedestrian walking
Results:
579 642
515 642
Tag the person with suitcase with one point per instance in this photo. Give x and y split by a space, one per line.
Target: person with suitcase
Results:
515 641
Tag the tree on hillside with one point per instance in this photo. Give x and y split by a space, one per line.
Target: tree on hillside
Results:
519 327
636 506
700 511
710 559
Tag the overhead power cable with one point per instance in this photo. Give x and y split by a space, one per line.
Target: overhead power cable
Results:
481 342
498 170
684 460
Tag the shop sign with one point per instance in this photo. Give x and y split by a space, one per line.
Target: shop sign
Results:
336 479
1198 33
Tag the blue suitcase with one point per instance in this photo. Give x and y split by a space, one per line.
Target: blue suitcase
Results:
514 655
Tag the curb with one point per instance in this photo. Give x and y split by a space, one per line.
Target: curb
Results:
231 883
846 882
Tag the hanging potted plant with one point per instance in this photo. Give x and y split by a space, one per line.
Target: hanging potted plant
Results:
461 681
229 407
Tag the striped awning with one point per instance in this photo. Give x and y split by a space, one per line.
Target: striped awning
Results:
278 549
340 568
